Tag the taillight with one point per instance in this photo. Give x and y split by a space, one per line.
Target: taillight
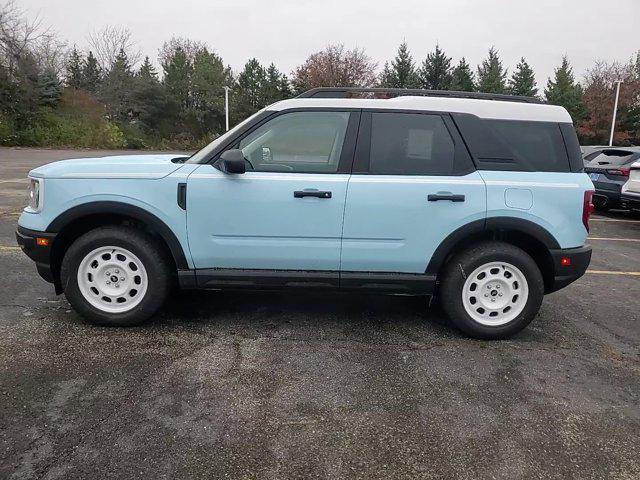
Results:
587 208
620 171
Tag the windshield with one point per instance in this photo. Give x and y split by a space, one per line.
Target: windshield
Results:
203 154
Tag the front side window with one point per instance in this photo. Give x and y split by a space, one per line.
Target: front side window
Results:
410 144
301 142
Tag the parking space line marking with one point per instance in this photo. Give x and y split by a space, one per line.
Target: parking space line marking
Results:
615 239
611 272
8 248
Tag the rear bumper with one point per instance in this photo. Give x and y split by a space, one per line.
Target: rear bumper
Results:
631 200
607 193
578 261
40 254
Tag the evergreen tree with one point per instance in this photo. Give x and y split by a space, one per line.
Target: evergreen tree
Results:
462 77
91 74
634 65
251 89
147 71
491 74
27 94
401 73
285 87
523 80
208 79
74 69
150 105
276 86
435 73
177 76
156 112
117 88
50 88
563 90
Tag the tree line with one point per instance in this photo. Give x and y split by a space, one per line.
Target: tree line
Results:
109 96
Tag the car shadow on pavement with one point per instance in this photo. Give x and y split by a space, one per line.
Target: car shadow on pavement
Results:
291 307
326 313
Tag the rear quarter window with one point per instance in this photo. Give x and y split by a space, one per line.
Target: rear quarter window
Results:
515 145
538 145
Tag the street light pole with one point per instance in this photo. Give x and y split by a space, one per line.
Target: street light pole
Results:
615 111
226 107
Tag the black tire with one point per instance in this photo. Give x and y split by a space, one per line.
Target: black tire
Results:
141 245
455 273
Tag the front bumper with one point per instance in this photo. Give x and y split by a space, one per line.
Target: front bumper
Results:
631 200
41 254
578 261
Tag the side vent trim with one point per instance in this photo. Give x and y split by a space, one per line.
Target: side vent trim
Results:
182 196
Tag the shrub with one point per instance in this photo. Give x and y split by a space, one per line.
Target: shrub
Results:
8 134
134 137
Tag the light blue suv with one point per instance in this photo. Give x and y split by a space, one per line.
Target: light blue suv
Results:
479 200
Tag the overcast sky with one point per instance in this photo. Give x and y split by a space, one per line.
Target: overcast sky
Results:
287 31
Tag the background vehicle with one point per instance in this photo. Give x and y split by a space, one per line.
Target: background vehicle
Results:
478 199
631 189
589 151
609 170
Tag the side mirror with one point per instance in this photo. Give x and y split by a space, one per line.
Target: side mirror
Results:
232 161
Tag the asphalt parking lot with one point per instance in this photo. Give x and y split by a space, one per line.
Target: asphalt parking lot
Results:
312 386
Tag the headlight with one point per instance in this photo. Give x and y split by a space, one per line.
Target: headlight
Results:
34 195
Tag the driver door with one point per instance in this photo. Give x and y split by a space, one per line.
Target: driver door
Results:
286 211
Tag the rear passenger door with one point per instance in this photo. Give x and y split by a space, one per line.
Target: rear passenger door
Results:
413 184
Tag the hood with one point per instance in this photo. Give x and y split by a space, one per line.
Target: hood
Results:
146 167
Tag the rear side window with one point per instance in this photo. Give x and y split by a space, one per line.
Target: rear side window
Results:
539 145
410 144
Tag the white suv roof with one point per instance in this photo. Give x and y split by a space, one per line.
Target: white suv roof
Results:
491 109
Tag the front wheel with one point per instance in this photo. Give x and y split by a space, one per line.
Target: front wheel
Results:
491 290
115 276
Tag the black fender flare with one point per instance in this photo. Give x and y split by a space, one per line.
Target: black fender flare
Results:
128 210
478 227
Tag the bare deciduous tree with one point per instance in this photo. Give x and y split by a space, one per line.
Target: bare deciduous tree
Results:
19 37
51 54
189 47
599 98
335 67
107 43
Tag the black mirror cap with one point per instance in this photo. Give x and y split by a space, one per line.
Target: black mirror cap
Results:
232 161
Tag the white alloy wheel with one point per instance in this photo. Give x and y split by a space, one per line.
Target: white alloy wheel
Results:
495 293
112 279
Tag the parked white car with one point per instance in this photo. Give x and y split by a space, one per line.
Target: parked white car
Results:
630 196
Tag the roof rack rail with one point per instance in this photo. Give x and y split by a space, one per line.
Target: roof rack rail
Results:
352 92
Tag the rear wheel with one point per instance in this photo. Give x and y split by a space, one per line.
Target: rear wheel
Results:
492 290
115 276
